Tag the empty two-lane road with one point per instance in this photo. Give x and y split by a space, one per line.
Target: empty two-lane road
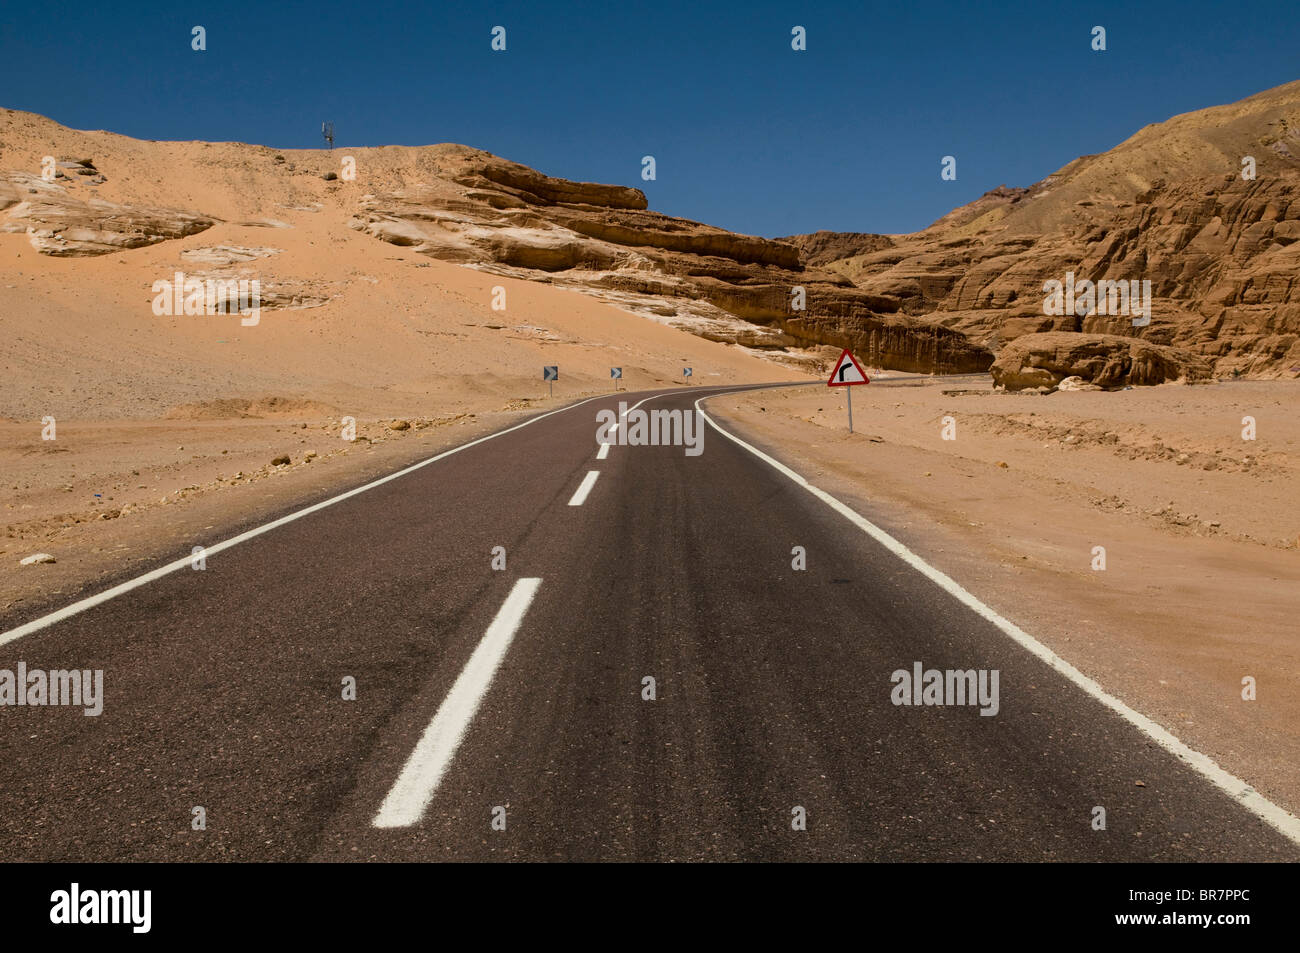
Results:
503 713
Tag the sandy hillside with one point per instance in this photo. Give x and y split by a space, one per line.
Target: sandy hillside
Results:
360 324
176 408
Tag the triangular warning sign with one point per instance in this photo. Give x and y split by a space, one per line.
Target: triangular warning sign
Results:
847 371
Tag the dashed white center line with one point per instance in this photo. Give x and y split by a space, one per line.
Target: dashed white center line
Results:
638 404
584 488
415 786
185 562
603 452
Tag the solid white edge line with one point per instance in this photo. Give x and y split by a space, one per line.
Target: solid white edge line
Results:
433 754
580 495
91 601
1285 822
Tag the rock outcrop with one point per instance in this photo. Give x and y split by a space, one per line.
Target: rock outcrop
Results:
482 210
1103 360
1170 206
823 247
63 226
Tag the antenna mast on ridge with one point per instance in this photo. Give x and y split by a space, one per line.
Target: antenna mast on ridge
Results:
327 130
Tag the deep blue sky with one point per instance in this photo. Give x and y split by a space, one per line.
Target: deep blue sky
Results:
747 134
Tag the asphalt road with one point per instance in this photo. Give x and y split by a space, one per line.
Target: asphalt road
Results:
223 688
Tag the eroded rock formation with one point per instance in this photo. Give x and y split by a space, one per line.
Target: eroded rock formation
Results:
1169 205
64 226
1105 360
482 210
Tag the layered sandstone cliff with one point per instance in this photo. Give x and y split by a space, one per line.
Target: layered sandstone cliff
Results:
1170 206
466 206
481 210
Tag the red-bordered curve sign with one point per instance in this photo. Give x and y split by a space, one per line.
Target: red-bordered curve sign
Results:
847 372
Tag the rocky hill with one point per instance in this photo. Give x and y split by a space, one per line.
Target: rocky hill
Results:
1169 205
462 205
485 211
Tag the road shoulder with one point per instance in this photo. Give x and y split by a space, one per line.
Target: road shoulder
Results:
1182 612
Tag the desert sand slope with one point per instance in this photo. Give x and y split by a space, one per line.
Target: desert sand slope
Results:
366 329
351 323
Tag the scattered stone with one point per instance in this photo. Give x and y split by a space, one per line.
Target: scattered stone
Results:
224 256
37 558
281 461
399 425
1076 383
